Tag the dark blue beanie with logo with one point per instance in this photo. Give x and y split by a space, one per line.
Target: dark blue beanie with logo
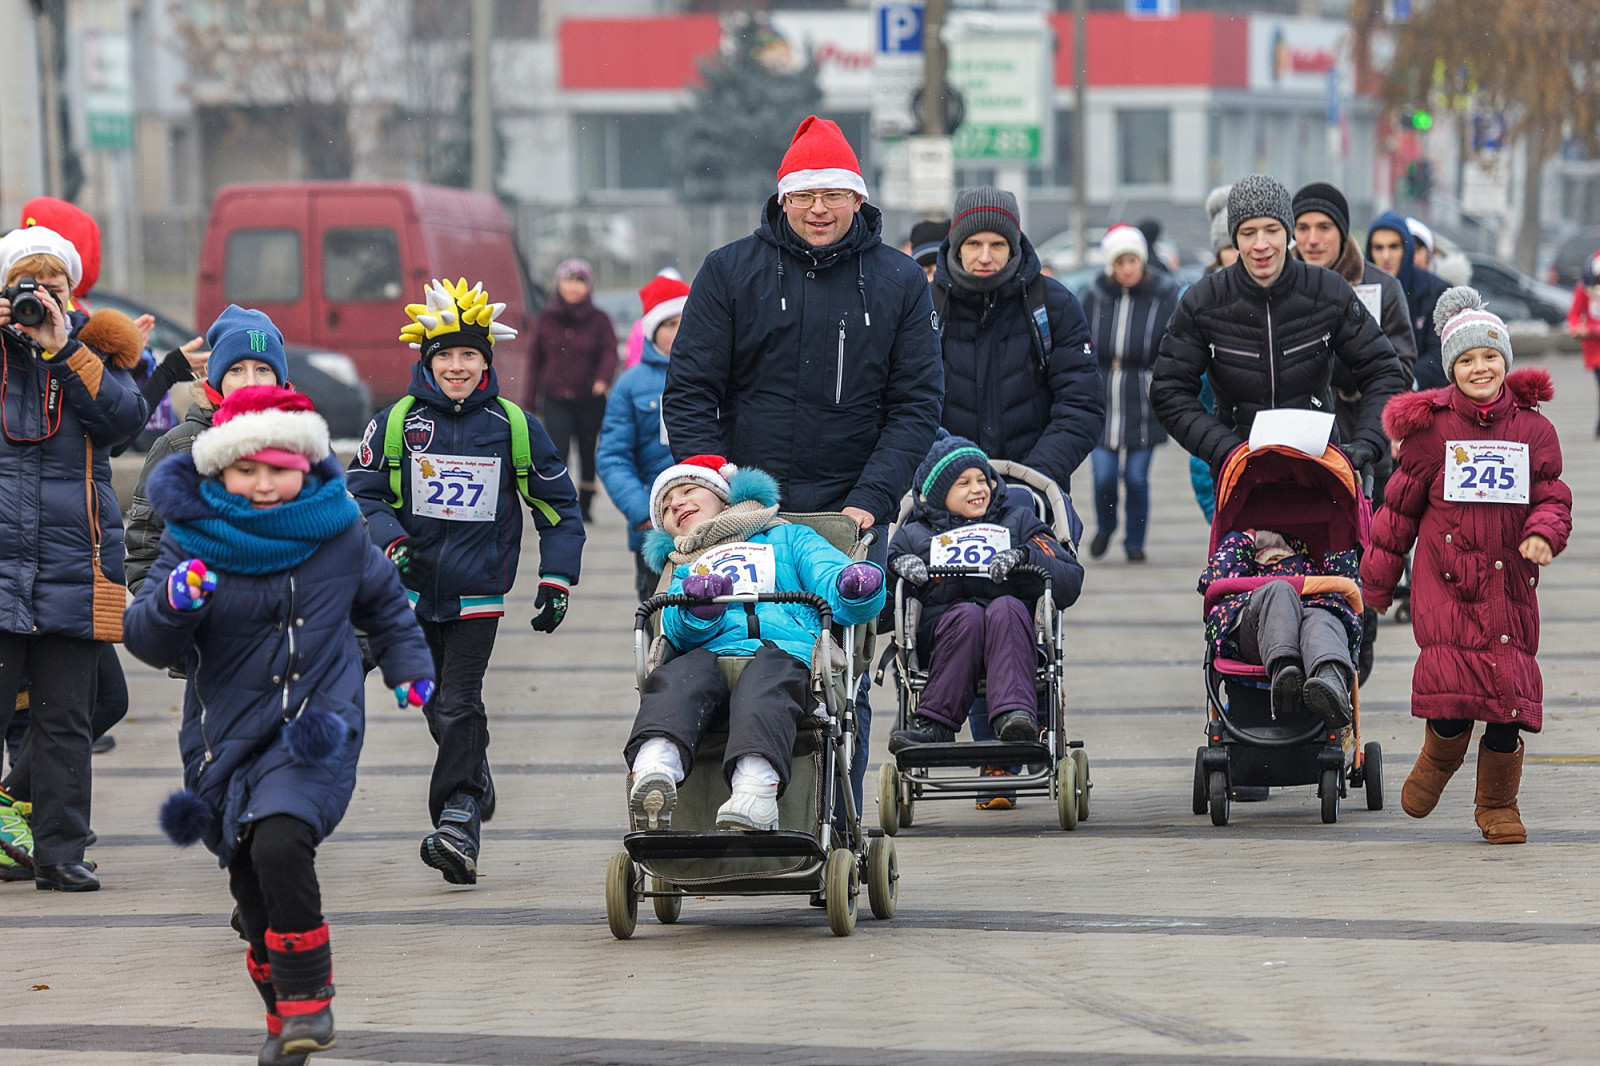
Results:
242 333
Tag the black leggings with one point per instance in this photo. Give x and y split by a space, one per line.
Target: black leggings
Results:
110 707
1497 736
580 418
273 878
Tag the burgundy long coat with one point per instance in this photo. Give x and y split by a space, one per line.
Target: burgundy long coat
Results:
1474 602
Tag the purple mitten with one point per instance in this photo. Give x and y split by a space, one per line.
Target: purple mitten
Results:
858 581
704 587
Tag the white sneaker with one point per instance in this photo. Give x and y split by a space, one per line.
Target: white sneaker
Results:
651 801
748 811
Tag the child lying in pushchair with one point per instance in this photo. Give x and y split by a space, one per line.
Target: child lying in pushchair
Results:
1308 646
976 627
718 527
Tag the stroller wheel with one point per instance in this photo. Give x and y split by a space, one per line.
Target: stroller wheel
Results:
668 908
1080 758
843 882
1199 805
889 799
1372 767
883 878
622 903
1217 786
1328 789
1067 793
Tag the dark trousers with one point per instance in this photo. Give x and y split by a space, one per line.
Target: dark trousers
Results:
685 696
456 717
995 643
61 680
645 579
110 707
273 878
1275 626
580 418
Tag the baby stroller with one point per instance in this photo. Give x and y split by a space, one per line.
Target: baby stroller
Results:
1317 501
1053 766
807 855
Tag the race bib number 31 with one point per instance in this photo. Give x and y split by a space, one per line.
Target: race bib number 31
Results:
457 488
1485 471
974 545
753 567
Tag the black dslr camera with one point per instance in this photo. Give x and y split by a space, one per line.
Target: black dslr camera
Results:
26 307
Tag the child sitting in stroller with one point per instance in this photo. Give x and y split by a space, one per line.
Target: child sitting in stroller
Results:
976 626
718 526
1308 646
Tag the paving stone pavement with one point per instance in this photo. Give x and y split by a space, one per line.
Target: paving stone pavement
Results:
1147 936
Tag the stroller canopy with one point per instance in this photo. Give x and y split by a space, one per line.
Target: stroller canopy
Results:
1317 500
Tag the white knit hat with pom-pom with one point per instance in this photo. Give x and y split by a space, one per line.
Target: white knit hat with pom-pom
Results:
1463 323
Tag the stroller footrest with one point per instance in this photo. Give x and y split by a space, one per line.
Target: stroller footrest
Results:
723 844
972 753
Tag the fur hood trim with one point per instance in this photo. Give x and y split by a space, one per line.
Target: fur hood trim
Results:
658 545
750 483
113 336
1411 412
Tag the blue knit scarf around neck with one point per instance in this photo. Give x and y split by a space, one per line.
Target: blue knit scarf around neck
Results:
240 539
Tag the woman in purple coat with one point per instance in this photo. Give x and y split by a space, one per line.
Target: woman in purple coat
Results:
574 362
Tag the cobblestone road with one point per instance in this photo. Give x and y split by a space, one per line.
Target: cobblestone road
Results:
1146 937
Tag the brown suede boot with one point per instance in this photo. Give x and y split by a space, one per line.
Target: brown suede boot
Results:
1499 778
1439 759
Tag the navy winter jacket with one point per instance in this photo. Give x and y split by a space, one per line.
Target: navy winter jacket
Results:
260 648
1127 325
469 559
996 391
631 451
1027 532
818 365
60 516
1423 289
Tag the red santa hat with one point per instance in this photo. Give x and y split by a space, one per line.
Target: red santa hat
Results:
708 471
819 158
662 297
266 424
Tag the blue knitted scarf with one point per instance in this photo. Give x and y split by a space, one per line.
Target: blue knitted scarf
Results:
239 539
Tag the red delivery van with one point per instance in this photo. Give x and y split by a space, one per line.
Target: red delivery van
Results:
335 262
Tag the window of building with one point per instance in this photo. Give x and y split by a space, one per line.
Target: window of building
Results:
361 264
623 151
262 266
1144 140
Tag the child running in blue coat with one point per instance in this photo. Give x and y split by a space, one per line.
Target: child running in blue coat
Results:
632 445
262 570
718 527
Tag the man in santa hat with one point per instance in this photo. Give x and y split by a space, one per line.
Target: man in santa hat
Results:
810 349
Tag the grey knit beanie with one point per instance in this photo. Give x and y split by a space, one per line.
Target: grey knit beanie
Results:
986 209
1258 196
1217 212
1464 324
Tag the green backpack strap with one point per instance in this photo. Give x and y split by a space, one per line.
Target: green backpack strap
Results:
522 459
394 446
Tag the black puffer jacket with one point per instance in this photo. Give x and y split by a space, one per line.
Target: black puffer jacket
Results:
1422 297
818 365
1127 326
996 392
1266 348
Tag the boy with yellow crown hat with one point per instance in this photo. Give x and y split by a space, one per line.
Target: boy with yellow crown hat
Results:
442 477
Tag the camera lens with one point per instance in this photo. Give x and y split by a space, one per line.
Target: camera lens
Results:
27 310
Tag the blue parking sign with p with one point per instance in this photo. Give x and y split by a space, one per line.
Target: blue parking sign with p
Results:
900 29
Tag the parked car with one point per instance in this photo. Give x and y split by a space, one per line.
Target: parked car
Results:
1513 295
329 378
335 263
1572 255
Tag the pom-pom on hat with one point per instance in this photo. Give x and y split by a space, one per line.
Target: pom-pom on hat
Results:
40 240
454 316
266 424
1464 324
1121 240
708 471
663 297
244 333
1258 196
76 225
819 157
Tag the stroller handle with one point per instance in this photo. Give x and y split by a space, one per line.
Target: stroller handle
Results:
649 607
983 571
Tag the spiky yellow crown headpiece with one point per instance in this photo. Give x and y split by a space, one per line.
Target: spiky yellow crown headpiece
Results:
454 314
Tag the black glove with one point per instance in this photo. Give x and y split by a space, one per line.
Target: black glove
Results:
1360 454
910 568
551 603
416 569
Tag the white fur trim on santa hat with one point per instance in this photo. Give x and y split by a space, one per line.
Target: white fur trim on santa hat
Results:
679 473
831 178
302 432
652 319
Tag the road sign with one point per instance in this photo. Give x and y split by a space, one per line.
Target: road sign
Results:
899 29
107 90
896 66
1002 69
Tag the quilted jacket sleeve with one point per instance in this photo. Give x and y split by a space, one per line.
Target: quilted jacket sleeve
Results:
1175 388
1394 528
1549 498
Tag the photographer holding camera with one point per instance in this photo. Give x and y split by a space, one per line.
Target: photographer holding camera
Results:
65 398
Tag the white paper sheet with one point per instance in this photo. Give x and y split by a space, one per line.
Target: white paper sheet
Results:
1304 431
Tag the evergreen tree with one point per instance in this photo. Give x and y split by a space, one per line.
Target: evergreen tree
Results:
728 143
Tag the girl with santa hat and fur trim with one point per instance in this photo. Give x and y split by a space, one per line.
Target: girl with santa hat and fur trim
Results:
263 568
1478 490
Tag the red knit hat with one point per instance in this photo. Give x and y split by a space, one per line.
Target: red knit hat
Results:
264 423
662 297
76 225
819 158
